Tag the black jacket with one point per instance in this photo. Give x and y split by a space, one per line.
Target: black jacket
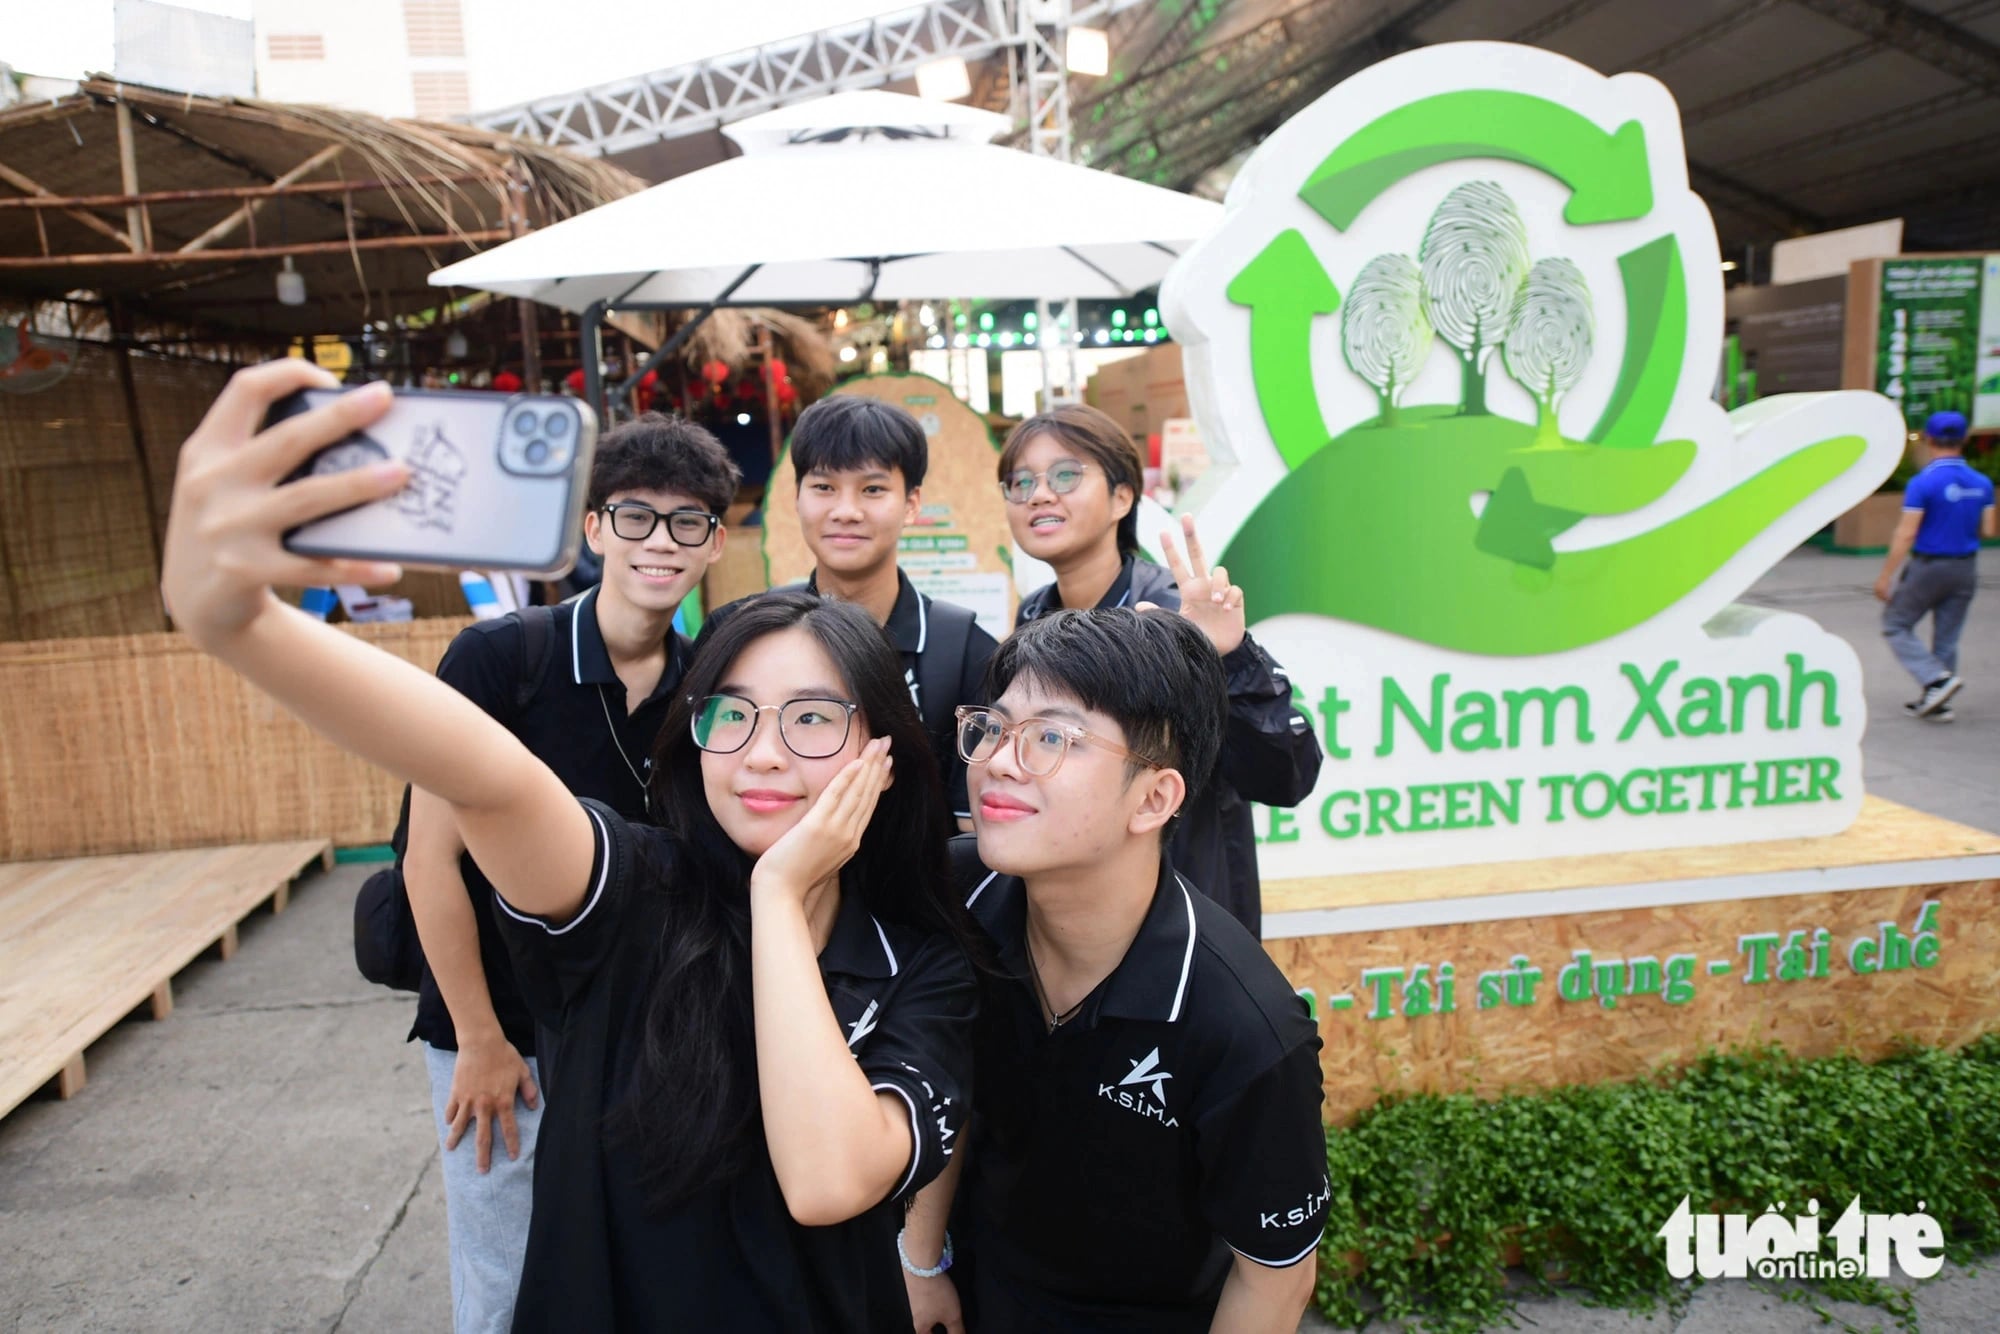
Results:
1269 752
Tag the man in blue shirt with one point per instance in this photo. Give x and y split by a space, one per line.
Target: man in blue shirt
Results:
1946 509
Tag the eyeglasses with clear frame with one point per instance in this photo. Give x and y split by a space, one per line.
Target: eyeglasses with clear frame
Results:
635 523
1040 744
812 729
1064 476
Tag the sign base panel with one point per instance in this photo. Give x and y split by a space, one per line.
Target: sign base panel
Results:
1481 979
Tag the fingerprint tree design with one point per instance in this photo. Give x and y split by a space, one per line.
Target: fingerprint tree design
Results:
1474 258
1549 336
1384 332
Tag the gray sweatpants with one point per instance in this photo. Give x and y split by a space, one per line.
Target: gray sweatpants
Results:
1942 590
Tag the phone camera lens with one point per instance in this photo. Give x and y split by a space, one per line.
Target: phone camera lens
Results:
537 453
557 425
524 423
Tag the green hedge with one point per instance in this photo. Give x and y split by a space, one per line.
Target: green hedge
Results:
1431 1193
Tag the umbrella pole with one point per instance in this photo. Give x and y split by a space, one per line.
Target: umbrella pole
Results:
682 334
590 350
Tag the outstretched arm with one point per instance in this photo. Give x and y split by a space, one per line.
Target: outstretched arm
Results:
223 553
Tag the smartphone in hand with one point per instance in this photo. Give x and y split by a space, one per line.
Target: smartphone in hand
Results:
497 481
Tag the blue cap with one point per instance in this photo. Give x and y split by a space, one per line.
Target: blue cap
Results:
1946 426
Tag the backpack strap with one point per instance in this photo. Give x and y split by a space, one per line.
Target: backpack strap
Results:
538 642
942 663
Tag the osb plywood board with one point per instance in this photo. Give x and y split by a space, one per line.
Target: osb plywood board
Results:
1723 964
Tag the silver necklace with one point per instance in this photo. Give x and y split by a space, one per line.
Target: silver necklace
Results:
1041 993
645 793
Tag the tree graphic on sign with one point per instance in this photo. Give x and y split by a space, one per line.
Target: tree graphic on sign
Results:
1549 337
1474 258
1384 332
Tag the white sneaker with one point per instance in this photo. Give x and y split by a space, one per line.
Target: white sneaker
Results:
1937 694
1943 715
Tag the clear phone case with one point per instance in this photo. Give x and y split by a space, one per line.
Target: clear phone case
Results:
497 481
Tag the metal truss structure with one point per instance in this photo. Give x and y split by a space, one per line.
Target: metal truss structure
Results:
1196 83
705 94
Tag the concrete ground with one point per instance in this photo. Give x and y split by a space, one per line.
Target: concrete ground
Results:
264 1160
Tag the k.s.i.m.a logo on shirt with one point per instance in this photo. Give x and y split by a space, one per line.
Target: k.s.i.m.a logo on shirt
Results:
863 1026
1142 1089
1304 1211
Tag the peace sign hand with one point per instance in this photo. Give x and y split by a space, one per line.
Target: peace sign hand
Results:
1207 597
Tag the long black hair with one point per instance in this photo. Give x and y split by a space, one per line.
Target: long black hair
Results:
693 1112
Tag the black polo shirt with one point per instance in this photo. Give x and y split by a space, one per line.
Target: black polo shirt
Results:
577 723
1117 1162
730 1258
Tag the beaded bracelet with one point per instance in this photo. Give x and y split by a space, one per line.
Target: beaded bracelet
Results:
944 1260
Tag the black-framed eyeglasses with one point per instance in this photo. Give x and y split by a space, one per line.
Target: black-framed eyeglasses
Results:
1039 743
635 523
1064 476
811 729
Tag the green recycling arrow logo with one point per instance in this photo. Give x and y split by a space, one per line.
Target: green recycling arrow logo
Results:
1446 521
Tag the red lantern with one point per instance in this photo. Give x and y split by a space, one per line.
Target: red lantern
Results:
507 382
787 394
649 385
716 373
775 370
574 382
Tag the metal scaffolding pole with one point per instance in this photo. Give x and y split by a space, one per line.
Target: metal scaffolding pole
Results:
1044 41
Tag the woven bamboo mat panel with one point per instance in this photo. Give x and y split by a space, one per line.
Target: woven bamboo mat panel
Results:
75 532
84 942
139 743
173 395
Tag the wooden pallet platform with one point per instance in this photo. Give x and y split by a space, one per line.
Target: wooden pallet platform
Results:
86 941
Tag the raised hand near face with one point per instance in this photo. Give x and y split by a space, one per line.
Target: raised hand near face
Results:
1207 597
830 833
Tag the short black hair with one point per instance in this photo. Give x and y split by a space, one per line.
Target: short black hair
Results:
847 432
1154 673
656 452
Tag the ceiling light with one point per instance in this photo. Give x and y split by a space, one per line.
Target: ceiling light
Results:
847 353
1729 266
291 285
742 419
925 315
1088 51
944 80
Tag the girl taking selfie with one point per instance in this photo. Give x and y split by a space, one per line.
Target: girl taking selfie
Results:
762 1009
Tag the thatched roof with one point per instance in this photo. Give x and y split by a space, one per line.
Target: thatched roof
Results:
397 199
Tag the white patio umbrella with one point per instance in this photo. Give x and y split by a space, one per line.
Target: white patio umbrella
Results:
859 196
